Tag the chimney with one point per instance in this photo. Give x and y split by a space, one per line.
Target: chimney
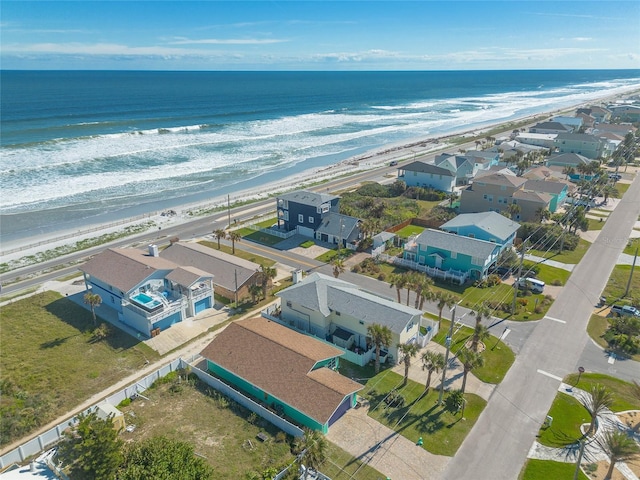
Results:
297 276
153 250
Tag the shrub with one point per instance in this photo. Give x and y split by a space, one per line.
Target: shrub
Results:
523 302
382 277
125 403
556 282
394 399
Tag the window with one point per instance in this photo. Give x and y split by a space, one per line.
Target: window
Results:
286 215
289 303
300 218
503 187
454 255
361 322
415 174
310 219
337 313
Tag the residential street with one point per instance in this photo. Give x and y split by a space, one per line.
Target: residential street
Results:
497 446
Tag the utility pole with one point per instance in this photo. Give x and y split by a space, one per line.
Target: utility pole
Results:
446 355
235 274
229 210
515 284
626 292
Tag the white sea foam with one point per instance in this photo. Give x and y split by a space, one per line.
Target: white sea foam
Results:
123 164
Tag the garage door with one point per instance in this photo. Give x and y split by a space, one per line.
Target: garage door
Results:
203 304
306 231
167 322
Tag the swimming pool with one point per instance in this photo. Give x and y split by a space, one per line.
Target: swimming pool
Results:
146 302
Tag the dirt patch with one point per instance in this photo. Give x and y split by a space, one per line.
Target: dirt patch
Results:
630 419
312 252
603 466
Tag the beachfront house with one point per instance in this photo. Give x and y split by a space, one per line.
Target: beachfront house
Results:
575 123
600 114
147 292
233 276
589 146
292 374
466 257
317 216
427 175
463 167
558 191
303 210
488 226
546 140
339 312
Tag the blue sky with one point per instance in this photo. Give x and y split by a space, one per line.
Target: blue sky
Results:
298 35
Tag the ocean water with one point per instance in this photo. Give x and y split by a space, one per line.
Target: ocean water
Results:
88 147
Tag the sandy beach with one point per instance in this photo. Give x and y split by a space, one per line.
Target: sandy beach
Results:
417 149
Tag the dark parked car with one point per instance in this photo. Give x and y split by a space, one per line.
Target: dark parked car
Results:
625 310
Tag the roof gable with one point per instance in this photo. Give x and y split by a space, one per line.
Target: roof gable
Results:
422 167
451 242
490 222
307 197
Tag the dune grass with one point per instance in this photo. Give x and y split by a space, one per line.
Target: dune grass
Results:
52 362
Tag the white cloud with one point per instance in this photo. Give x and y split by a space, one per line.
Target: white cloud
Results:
92 49
227 41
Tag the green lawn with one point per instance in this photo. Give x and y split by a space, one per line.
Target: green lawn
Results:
568 414
549 470
622 189
618 283
498 357
329 255
633 245
596 329
623 398
51 362
252 257
409 230
441 431
570 257
259 237
548 274
596 224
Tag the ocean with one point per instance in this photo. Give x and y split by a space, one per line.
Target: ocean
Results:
84 147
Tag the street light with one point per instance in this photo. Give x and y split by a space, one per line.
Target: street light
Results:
580 372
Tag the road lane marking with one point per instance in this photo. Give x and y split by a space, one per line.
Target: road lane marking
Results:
554 319
550 375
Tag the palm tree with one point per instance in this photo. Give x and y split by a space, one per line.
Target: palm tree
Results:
219 234
609 191
234 237
483 311
480 334
599 400
93 300
568 171
619 447
412 279
255 291
433 362
397 280
426 293
452 197
312 449
542 214
444 299
469 360
408 350
380 336
338 266
266 275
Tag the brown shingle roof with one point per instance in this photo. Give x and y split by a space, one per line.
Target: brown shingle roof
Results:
501 179
279 360
187 276
124 268
223 266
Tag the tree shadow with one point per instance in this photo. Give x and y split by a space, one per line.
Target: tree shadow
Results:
56 342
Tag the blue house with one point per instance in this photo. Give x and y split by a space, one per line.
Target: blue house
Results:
149 293
489 226
289 372
446 251
427 175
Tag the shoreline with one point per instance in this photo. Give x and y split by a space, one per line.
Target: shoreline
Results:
14 250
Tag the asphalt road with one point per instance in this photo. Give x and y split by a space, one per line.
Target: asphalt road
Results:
497 446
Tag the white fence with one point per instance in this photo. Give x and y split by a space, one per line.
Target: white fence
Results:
446 275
